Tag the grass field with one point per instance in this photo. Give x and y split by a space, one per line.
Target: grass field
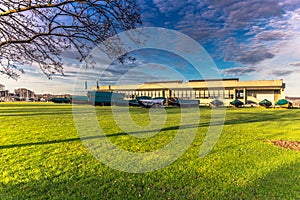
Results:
42 157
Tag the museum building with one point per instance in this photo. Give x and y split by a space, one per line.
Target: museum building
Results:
205 90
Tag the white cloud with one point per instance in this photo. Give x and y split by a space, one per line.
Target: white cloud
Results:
297 64
284 66
35 80
285 63
238 71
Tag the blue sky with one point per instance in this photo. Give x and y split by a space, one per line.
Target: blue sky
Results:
248 39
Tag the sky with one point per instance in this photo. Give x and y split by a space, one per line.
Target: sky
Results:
249 40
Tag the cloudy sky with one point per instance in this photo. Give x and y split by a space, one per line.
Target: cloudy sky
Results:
247 39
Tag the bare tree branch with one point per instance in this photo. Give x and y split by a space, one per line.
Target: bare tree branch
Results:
38 31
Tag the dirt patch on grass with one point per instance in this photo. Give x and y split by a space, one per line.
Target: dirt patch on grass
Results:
287 144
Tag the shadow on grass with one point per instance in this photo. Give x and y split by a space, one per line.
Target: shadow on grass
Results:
250 117
280 183
239 118
33 112
91 137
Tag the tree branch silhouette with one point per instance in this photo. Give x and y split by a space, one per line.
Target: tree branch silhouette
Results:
39 31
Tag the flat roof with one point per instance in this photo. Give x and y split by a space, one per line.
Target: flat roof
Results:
155 82
220 79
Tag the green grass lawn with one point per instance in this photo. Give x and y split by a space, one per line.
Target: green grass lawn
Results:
42 157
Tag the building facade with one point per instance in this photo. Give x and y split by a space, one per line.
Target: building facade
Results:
4 94
23 94
294 100
206 90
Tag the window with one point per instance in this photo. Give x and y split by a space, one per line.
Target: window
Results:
240 94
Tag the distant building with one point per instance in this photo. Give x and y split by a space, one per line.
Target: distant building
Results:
49 97
2 87
295 101
206 90
23 94
3 93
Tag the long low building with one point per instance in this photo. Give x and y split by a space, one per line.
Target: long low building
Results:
206 90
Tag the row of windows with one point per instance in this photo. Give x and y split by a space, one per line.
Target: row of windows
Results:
192 94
